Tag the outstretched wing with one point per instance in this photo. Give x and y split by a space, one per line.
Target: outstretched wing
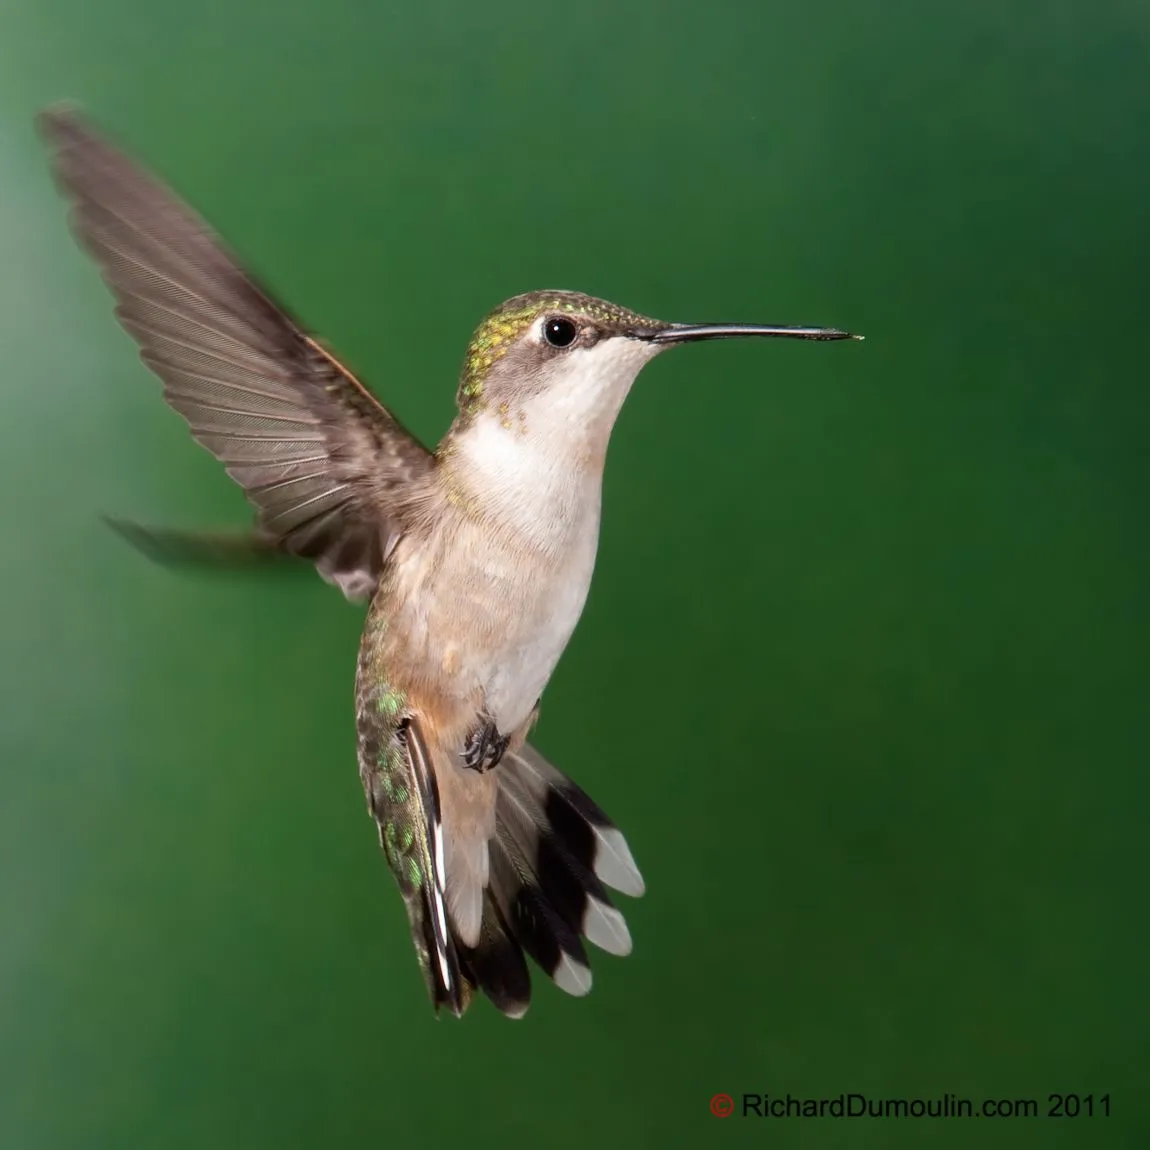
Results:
328 469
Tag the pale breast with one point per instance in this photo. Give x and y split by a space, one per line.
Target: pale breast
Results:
494 590
545 608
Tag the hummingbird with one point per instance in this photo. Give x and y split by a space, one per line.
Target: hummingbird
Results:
474 558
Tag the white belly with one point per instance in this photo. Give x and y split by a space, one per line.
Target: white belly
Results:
489 612
512 615
540 628
504 582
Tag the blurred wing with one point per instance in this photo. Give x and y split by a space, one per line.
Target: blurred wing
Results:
327 467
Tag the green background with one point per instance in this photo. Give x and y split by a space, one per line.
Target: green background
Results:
863 674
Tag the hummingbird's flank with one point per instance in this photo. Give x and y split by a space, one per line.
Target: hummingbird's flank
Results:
476 559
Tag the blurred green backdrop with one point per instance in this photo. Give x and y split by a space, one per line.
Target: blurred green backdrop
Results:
863 674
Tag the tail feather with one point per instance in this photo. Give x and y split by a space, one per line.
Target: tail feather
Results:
494 866
573 889
580 823
497 965
467 804
551 857
535 923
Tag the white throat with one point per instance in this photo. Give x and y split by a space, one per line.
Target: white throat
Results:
536 463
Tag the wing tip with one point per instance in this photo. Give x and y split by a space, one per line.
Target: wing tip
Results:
60 119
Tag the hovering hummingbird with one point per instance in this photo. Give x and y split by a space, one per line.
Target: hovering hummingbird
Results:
475 558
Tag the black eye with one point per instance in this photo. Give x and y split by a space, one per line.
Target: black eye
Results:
559 332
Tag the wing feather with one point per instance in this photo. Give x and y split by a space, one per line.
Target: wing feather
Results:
330 471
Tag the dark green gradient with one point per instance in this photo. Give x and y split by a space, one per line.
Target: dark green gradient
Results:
863 675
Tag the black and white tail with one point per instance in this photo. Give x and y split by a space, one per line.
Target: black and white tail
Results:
551 859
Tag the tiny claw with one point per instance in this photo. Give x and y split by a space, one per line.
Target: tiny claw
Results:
485 746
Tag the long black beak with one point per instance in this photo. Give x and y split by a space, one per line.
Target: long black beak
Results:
687 333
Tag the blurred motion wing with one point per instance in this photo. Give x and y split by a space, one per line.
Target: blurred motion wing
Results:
330 471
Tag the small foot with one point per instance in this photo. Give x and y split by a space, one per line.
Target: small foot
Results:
484 747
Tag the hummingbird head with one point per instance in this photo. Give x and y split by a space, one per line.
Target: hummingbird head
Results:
575 357
543 382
